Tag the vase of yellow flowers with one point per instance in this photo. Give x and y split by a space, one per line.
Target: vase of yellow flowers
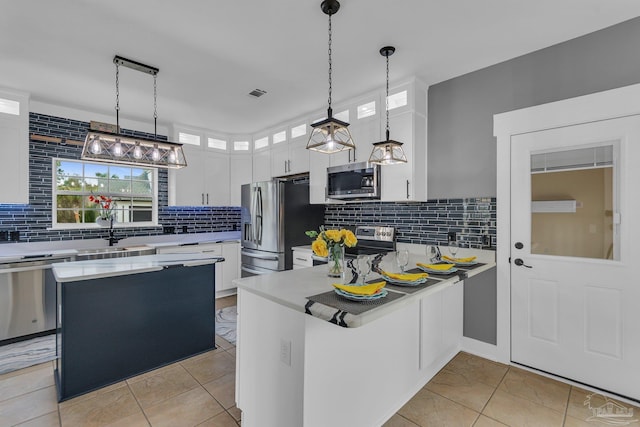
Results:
330 244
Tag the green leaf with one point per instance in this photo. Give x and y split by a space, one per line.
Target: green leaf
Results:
313 234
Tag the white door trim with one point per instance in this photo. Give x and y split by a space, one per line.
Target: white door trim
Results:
605 105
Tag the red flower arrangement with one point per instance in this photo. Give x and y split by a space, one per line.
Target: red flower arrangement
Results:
106 205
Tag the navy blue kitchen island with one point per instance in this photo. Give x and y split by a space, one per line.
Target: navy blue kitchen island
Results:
118 318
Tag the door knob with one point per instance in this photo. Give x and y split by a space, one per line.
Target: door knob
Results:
520 262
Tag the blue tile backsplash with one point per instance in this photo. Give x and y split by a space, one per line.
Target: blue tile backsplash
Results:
473 219
31 221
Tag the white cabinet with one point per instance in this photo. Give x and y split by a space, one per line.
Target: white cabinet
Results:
14 143
441 324
318 164
408 124
226 271
204 182
302 257
290 158
406 182
230 266
240 173
262 165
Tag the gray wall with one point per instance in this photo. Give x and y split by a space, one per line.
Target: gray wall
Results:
461 109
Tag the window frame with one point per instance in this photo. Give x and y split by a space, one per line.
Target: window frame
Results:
85 225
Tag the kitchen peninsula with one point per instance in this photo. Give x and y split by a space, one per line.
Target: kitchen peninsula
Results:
303 365
123 316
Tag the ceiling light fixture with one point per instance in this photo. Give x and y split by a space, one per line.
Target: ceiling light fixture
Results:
330 135
387 152
113 147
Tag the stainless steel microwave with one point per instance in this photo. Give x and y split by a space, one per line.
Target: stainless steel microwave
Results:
353 181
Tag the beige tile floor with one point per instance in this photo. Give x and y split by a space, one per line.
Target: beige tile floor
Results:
200 391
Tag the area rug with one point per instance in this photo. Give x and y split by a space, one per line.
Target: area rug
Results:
226 323
27 353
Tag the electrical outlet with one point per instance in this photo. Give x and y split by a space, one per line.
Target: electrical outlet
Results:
451 236
486 240
285 351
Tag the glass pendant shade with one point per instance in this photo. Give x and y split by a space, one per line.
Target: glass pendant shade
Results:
115 148
387 152
330 136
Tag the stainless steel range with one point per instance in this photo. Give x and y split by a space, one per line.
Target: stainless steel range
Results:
373 240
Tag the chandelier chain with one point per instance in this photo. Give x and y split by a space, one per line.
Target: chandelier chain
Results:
155 97
155 106
117 97
387 97
330 62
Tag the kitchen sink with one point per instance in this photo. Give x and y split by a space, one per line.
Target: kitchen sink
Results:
103 253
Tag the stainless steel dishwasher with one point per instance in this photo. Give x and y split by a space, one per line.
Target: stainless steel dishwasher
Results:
27 297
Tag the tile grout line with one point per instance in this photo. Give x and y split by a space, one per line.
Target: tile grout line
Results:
493 393
144 414
566 408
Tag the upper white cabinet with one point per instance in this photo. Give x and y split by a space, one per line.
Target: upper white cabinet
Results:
14 143
408 124
206 179
240 173
262 165
290 158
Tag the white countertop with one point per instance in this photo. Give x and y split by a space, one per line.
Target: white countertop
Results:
95 269
10 252
292 287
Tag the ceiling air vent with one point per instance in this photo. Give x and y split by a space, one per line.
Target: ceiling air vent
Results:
257 93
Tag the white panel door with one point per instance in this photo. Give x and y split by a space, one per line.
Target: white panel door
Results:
575 293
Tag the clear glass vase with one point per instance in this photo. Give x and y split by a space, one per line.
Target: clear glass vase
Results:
336 261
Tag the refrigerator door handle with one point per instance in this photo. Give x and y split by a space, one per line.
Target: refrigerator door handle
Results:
258 256
259 216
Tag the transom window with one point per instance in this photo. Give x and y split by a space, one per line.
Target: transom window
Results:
132 190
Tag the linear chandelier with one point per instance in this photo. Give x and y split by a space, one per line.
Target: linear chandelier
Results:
113 147
330 135
388 152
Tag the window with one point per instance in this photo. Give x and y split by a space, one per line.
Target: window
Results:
9 106
298 131
279 137
342 115
397 100
366 110
261 143
218 144
132 189
188 138
241 145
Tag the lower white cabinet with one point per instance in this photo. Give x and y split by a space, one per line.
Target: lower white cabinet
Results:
302 258
226 271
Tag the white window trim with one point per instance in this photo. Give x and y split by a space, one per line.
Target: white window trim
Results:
84 225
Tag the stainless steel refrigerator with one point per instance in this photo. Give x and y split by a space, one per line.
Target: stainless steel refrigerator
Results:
275 216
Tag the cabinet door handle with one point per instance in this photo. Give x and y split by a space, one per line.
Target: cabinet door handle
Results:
285 166
407 189
202 194
207 198
289 164
302 259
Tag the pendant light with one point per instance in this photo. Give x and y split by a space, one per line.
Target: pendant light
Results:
330 135
113 147
387 152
